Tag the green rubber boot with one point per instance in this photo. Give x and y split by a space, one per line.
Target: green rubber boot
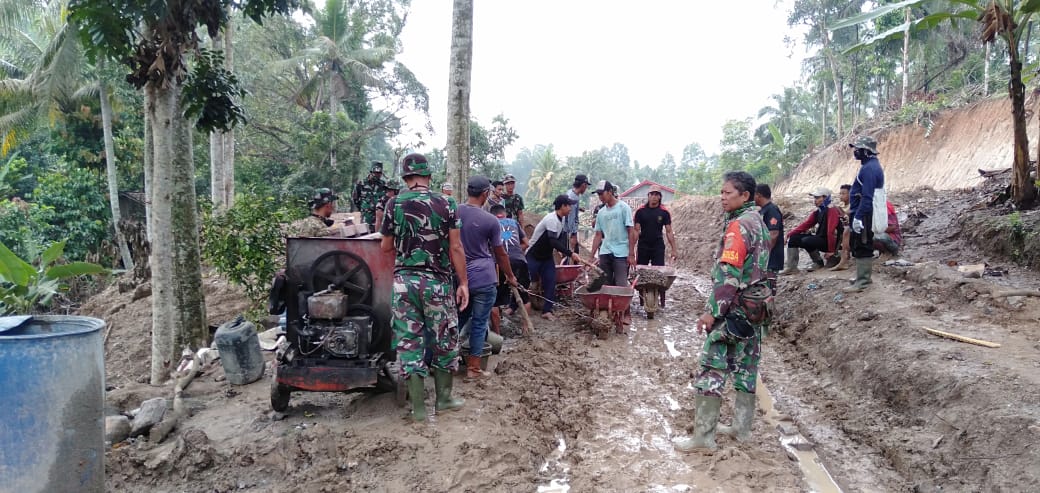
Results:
416 394
863 268
704 426
442 379
791 266
743 415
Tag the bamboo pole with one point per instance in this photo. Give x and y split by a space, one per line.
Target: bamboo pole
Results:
961 338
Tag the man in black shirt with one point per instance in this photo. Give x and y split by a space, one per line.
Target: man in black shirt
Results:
775 224
650 220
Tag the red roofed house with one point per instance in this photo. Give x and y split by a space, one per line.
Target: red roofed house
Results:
636 196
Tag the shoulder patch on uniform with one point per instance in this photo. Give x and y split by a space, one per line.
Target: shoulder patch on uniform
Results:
772 221
734 251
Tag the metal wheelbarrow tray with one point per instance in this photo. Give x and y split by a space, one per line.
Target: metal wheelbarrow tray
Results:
608 307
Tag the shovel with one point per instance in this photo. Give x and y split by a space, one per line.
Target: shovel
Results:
601 277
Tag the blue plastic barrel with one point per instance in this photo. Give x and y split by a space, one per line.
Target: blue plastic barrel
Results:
52 386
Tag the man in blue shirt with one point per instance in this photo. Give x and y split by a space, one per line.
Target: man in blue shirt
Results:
870 181
615 240
481 234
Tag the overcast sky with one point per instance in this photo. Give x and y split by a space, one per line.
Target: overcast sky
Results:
654 75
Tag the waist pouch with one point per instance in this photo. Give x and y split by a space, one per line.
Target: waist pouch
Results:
738 327
757 302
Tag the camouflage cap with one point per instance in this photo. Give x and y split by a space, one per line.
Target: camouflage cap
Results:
393 185
508 179
865 142
377 167
414 164
321 197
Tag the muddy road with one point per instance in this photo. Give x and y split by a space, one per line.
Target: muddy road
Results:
559 410
853 378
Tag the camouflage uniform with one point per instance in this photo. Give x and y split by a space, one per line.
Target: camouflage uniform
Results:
423 303
367 195
742 259
311 227
514 205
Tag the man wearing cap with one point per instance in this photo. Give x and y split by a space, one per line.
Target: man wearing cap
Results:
317 224
548 236
368 193
481 234
447 188
581 185
513 202
392 190
614 245
820 232
867 190
650 220
422 228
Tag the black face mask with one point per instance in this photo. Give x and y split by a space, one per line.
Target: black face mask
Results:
861 155
327 221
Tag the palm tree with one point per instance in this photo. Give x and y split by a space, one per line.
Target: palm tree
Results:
546 167
340 66
42 60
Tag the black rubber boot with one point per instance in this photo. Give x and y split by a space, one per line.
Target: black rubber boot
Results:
743 415
442 379
817 260
704 426
417 394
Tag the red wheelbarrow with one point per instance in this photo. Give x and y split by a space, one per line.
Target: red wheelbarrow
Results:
607 307
565 276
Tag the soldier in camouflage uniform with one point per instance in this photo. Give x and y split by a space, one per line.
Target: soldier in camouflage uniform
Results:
513 202
368 193
391 191
422 227
318 223
734 325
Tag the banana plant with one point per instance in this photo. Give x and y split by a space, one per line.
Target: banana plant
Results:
25 288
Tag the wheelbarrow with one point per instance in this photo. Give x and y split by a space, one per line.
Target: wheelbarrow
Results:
607 307
653 281
565 276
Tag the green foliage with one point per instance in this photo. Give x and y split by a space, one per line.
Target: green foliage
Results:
13 176
921 113
22 227
487 146
25 288
72 207
210 93
245 243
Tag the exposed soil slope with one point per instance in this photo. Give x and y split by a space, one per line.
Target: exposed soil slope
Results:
961 141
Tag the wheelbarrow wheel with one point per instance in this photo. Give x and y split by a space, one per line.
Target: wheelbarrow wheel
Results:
280 394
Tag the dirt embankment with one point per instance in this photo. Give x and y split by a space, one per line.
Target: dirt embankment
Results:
917 412
961 141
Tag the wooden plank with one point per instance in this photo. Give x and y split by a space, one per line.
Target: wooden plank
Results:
961 338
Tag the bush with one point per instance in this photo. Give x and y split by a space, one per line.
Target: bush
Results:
73 207
246 243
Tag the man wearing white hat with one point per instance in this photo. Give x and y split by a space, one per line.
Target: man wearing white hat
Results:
818 233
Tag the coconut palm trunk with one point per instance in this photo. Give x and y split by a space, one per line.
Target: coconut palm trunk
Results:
110 171
178 305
